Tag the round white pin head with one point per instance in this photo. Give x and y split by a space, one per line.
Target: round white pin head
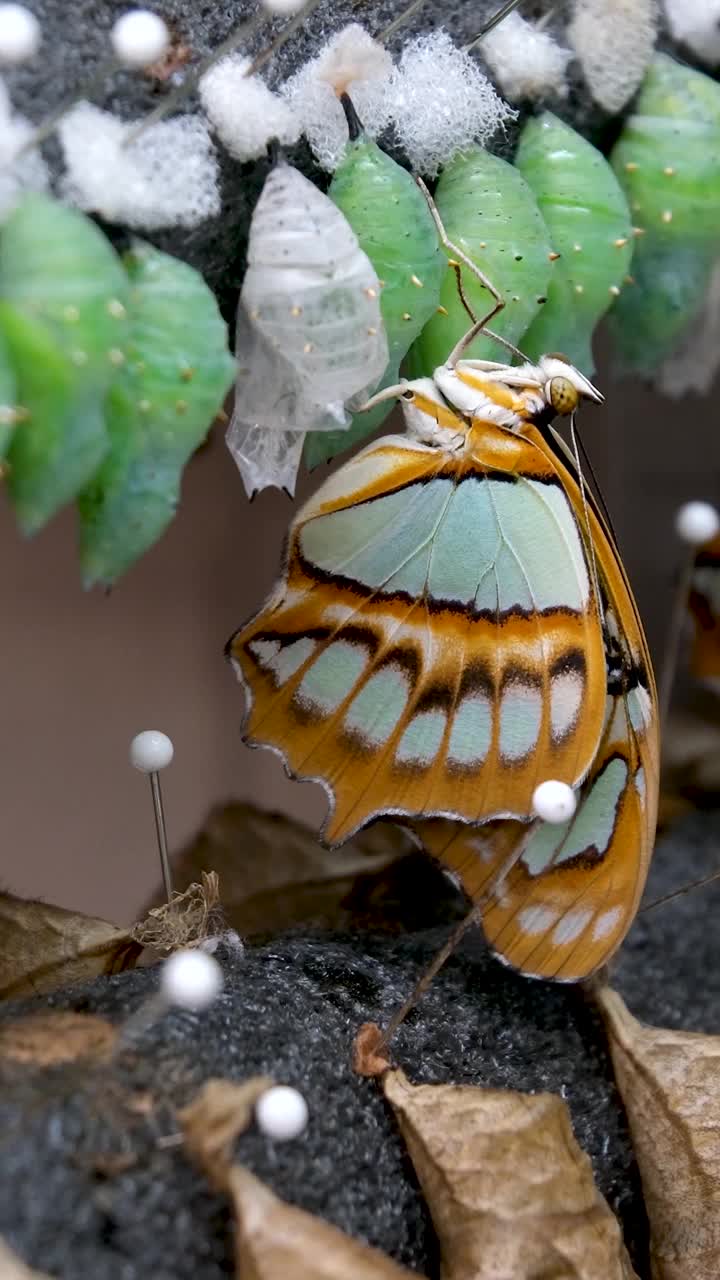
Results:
554 801
281 1113
697 522
19 34
151 751
191 979
139 38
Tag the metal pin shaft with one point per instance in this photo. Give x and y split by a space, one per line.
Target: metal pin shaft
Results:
161 834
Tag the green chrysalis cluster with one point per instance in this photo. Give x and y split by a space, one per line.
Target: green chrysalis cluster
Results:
668 161
111 371
392 222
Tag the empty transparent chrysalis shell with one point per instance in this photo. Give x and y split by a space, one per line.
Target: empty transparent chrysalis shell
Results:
667 160
311 291
489 212
590 227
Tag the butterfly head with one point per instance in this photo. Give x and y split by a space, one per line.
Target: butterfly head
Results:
563 385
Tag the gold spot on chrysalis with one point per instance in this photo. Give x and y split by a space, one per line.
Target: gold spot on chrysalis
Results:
667 215
186 373
71 314
579 288
442 311
628 280
115 308
116 356
577 248
296 311
638 231
553 256
371 332
669 171
144 406
620 242
371 293
181 406
406 315
308 348
418 283
79 358
630 166
614 290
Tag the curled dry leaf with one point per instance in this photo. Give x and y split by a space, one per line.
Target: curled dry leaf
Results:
366 1059
215 1117
276 874
13 1268
670 1084
43 947
188 919
45 1039
274 1239
511 1193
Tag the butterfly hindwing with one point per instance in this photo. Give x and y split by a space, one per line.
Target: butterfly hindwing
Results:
433 646
557 899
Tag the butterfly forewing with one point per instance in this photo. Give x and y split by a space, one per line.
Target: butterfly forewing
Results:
434 644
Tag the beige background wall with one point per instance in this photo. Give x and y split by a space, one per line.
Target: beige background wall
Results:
82 673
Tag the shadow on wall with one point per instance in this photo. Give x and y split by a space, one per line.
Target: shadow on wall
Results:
84 672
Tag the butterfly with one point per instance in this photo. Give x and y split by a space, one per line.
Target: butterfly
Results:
452 626
704 602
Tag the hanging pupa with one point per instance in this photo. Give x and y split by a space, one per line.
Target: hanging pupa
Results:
490 213
165 395
589 223
667 160
62 315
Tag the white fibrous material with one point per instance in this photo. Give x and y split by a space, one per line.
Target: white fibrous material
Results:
19 172
614 41
525 62
441 102
310 337
694 364
167 177
245 114
352 62
697 24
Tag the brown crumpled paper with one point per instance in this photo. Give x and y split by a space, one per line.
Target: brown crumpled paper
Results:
511 1193
58 1036
43 947
215 1117
670 1085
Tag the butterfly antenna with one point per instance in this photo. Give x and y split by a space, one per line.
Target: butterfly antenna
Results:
586 514
457 252
678 893
596 484
229 45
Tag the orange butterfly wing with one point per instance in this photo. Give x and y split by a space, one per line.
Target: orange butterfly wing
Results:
557 901
433 646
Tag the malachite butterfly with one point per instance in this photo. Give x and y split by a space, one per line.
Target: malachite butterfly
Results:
704 601
453 625
490 214
172 381
63 321
589 223
391 219
668 161
310 337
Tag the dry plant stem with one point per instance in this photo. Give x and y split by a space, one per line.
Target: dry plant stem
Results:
400 21
88 90
473 917
674 635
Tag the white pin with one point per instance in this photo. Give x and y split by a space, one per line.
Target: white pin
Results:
19 35
281 1113
150 752
139 38
190 980
554 801
695 523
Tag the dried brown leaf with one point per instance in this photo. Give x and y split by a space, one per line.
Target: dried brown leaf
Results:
13 1268
45 1039
187 920
276 1241
510 1191
215 1117
670 1085
275 873
366 1060
43 947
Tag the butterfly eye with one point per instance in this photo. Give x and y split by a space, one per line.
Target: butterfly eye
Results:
409 394
563 395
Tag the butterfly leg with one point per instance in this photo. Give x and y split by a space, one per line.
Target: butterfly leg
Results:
477 325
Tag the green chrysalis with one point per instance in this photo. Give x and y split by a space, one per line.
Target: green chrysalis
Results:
491 214
589 223
392 222
62 314
9 414
668 161
158 409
